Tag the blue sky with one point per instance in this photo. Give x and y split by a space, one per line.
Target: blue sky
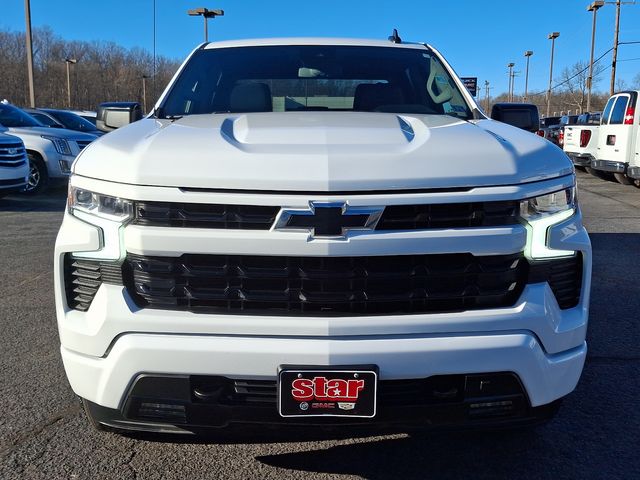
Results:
478 38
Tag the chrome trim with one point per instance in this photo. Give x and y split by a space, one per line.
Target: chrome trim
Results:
609 166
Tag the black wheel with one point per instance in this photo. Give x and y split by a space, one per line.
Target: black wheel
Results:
38 176
636 182
623 179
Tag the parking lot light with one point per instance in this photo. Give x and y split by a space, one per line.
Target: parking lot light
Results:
206 14
552 36
527 55
69 61
592 8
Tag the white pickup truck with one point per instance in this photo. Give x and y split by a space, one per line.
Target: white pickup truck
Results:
581 140
321 231
619 137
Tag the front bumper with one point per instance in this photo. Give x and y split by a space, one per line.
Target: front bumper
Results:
111 344
609 166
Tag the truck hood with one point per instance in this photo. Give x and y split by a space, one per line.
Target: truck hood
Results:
321 151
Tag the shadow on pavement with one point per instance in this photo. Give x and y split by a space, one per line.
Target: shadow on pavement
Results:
51 201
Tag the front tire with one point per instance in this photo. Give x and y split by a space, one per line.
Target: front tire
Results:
38 176
623 179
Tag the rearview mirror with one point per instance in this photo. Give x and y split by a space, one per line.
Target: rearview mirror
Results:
521 115
113 115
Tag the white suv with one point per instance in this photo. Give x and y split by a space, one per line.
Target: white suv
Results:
14 168
309 228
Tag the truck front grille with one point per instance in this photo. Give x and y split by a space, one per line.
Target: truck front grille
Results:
278 285
395 217
12 155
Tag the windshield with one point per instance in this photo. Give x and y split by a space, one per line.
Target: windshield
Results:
11 116
318 78
72 121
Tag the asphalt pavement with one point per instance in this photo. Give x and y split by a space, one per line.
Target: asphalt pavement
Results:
44 434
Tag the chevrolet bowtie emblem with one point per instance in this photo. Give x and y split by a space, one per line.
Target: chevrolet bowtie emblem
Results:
329 219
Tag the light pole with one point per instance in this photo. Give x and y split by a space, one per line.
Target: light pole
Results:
69 61
486 94
592 8
27 14
552 36
527 54
510 65
144 92
206 14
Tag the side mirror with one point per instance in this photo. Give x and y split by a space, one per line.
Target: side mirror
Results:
112 115
521 115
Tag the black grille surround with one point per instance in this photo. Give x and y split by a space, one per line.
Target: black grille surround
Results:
320 286
394 217
84 277
312 286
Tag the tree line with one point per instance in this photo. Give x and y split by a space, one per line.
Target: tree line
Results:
104 71
569 94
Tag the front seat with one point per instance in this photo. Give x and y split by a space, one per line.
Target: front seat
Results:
251 97
369 96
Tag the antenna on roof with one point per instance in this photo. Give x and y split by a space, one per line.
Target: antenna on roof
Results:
394 37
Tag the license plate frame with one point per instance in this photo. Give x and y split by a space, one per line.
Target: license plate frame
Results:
332 395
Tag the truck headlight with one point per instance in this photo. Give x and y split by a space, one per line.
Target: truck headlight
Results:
540 213
103 206
60 144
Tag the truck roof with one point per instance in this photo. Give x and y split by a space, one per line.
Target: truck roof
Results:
260 42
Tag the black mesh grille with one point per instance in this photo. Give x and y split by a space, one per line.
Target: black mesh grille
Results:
451 215
12 155
275 285
396 217
564 276
84 277
195 215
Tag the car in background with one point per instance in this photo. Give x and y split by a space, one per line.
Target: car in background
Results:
549 129
581 140
88 115
50 151
564 121
619 137
63 119
14 167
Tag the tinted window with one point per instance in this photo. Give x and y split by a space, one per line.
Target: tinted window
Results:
72 121
11 116
308 77
44 119
618 111
607 110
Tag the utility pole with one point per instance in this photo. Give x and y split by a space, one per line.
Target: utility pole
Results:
69 61
486 94
552 36
27 14
592 8
614 59
511 65
527 54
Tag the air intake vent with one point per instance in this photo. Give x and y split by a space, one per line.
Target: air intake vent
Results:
84 277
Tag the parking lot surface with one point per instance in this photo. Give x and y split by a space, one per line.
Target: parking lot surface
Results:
44 434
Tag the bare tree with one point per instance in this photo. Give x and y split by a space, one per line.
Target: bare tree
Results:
105 71
573 84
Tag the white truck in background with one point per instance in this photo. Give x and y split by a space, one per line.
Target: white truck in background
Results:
618 141
581 139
